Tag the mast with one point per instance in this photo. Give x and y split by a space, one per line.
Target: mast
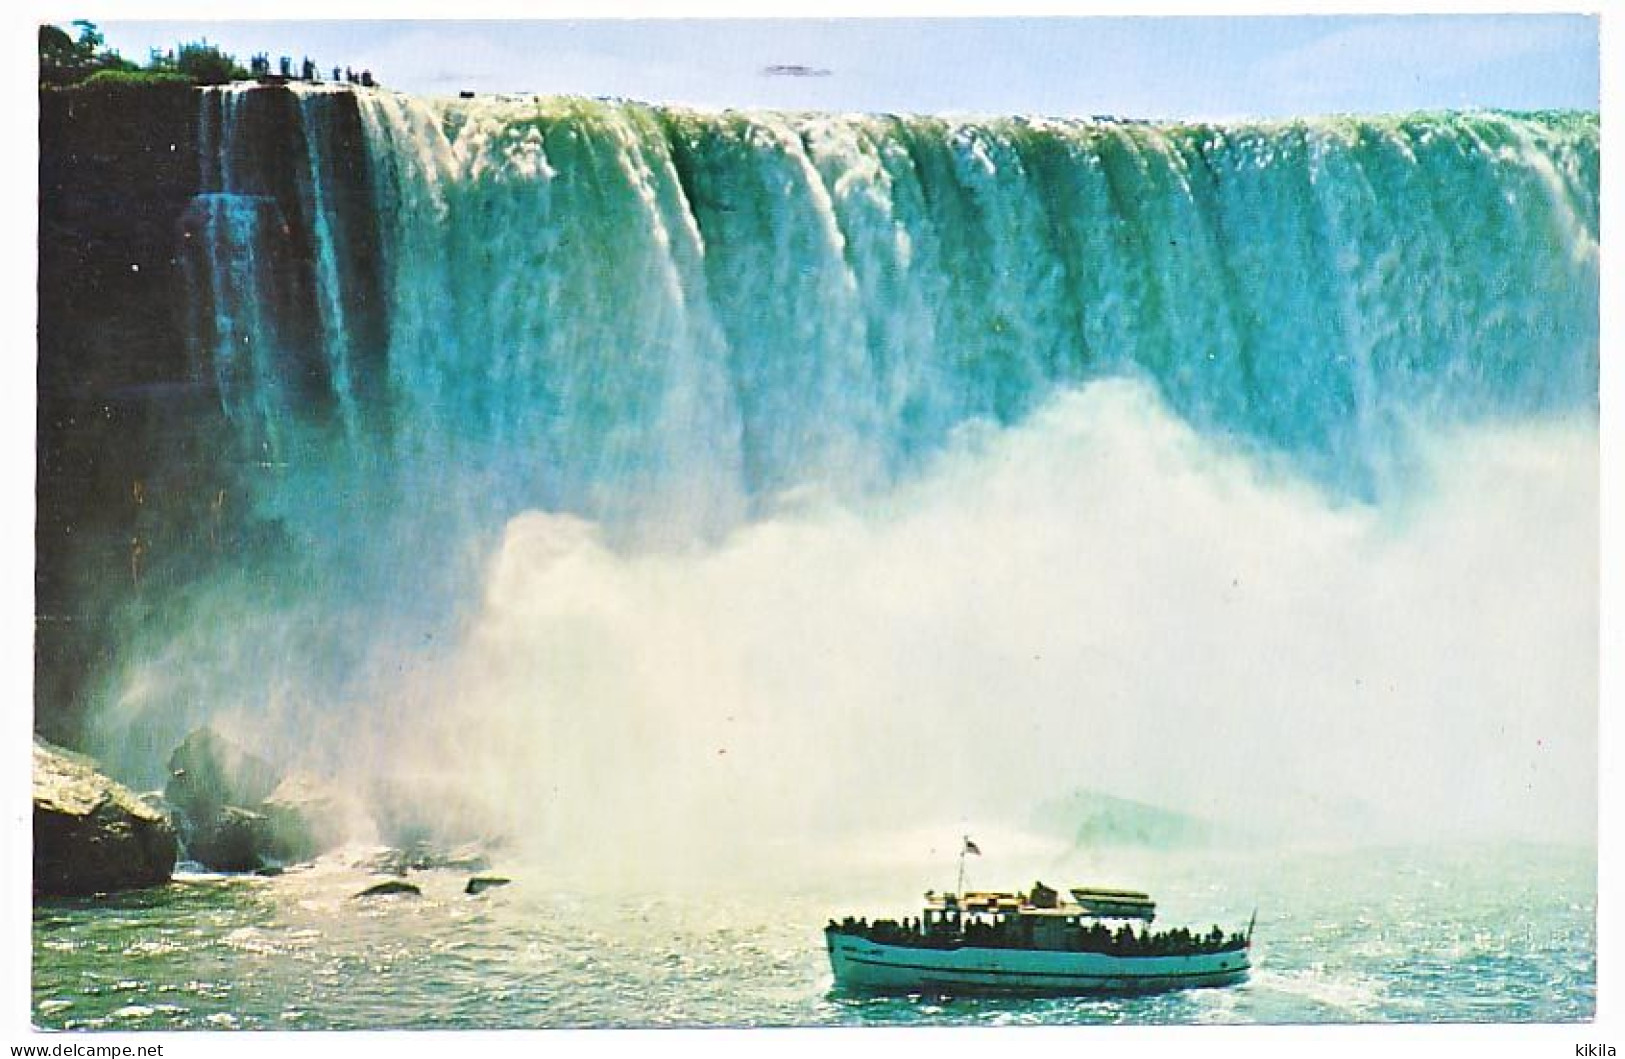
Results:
966 846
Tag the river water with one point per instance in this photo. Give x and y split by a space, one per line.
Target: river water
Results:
1502 934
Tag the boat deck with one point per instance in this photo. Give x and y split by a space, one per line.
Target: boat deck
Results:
863 965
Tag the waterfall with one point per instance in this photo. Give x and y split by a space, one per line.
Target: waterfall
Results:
642 314
525 392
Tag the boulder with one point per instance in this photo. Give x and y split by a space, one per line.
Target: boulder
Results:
306 818
464 857
208 771
426 856
156 801
481 883
235 811
91 834
391 888
384 861
230 839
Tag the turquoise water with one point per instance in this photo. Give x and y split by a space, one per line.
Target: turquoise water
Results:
650 314
1501 934
680 327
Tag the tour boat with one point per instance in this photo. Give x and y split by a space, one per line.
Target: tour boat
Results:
1035 943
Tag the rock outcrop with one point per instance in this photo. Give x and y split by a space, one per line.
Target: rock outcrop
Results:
426 856
1095 820
116 383
228 839
208 771
237 812
92 834
391 888
306 818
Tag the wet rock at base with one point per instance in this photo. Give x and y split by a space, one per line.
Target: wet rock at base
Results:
426 856
306 818
390 888
92 834
156 801
208 771
481 883
231 839
236 811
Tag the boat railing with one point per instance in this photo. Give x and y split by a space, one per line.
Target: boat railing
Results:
1007 933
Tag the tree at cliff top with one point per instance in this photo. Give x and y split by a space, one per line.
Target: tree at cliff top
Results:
200 62
66 61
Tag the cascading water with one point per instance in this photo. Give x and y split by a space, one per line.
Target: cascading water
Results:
610 453
771 301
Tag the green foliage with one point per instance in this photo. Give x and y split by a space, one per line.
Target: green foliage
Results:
206 64
67 60
90 38
134 78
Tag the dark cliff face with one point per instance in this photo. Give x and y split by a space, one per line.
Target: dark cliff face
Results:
141 488
117 169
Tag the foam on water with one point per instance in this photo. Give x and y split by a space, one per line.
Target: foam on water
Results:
299 951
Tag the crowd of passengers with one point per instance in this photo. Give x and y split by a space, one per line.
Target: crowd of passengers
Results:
1012 933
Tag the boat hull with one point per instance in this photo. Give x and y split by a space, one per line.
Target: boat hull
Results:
867 966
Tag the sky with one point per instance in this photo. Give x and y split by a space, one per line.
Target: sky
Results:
1158 67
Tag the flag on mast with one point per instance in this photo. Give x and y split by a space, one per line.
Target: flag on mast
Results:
971 847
